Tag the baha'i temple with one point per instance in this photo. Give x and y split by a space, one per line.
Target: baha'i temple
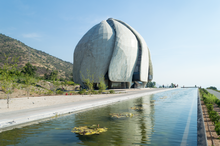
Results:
115 50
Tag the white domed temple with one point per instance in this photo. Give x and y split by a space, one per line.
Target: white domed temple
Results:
115 50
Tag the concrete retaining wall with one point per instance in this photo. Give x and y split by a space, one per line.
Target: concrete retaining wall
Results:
201 132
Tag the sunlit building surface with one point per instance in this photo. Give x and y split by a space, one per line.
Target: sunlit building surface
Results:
115 50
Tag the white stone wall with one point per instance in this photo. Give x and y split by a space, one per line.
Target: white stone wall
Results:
124 55
93 52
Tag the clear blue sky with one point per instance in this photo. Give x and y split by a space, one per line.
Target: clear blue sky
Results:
183 35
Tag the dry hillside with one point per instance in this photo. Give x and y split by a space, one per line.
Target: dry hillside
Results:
41 60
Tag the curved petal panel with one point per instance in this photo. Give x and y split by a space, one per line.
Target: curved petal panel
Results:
93 52
124 57
144 56
150 72
79 54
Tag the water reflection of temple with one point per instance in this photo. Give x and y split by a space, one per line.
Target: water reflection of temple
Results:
122 131
143 127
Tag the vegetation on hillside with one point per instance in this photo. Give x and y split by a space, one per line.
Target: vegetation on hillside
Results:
36 72
43 62
8 74
25 78
12 78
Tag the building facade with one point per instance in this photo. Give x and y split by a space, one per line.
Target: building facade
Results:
115 50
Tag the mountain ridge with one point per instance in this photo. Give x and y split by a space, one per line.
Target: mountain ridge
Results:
43 61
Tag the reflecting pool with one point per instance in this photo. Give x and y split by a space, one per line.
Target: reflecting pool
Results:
168 118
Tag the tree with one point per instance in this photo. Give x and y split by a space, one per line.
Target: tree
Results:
52 76
54 85
212 87
101 84
28 69
151 84
89 81
7 76
171 85
28 81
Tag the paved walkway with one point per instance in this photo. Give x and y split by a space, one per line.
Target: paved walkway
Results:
217 94
9 120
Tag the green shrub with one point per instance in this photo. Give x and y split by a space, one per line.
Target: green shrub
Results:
206 92
71 83
49 92
100 91
217 128
112 91
3 89
218 102
94 92
101 84
80 92
59 92
73 92
212 87
83 91
89 81
209 98
213 115
209 107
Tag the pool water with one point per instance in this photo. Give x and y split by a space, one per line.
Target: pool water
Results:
168 118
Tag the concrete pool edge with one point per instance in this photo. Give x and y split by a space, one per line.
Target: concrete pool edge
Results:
201 132
29 116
